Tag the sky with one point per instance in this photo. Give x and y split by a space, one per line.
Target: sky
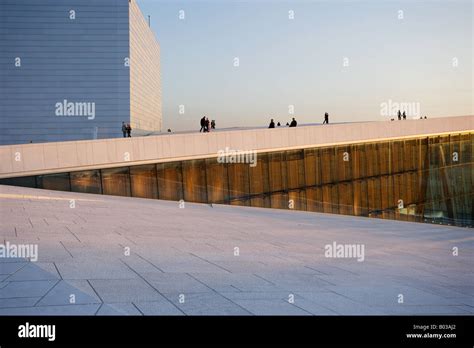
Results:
244 62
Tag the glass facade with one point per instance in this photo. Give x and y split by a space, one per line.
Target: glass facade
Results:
86 181
143 181
116 181
60 182
428 179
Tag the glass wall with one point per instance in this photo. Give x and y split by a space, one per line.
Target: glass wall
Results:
86 181
217 182
60 182
143 181
22 181
194 181
170 181
116 181
427 179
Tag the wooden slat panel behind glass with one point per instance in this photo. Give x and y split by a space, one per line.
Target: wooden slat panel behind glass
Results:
170 181
116 181
217 181
143 181
194 181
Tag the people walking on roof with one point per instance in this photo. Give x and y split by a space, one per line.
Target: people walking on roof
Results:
326 118
124 129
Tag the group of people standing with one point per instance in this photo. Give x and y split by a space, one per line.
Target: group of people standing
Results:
294 123
126 130
400 115
272 124
206 125
403 116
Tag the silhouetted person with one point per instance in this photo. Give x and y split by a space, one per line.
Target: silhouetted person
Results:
278 124
129 130
426 117
207 125
272 124
404 115
399 115
203 124
326 118
287 124
293 123
124 129
213 124
169 130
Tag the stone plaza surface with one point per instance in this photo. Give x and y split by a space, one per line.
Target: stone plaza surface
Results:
131 256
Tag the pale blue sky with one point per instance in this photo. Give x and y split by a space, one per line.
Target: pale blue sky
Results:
300 62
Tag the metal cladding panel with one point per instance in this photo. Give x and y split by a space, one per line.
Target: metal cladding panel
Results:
145 78
56 51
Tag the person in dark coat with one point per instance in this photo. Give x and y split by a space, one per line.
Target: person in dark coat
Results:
326 118
124 129
272 124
